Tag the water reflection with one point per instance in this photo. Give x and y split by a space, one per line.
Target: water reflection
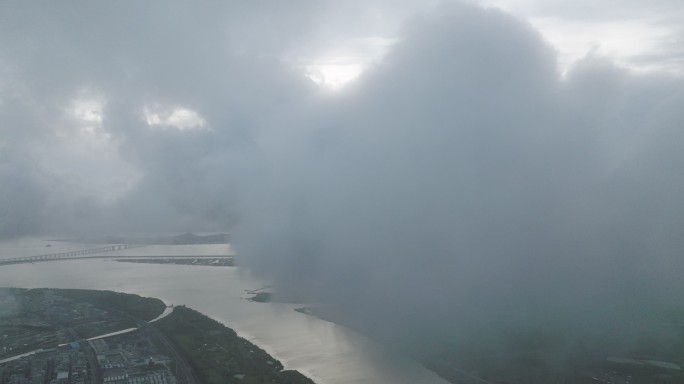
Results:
326 352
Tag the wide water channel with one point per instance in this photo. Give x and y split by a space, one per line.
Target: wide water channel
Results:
326 352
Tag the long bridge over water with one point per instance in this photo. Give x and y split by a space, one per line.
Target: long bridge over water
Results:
82 253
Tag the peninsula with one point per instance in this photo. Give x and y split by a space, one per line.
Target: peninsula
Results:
60 336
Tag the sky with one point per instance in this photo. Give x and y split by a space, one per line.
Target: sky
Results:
412 165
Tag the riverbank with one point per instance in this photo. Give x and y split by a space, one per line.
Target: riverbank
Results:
541 356
218 355
321 350
212 352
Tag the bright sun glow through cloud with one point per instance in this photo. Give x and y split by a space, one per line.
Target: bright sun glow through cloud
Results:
182 119
87 110
334 69
85 114
334 76
643 45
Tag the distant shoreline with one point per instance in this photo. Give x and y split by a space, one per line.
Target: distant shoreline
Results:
181 260
181 239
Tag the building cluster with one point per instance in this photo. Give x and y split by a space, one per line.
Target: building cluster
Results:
67 364
133 358
23 334
130 358
82 318
44 340
44 320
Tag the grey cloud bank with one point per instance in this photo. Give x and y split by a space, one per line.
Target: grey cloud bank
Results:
77 80
459 187
462 188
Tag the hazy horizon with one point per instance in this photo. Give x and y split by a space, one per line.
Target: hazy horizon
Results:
436 174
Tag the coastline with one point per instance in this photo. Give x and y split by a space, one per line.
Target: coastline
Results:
325 352
180 331
591 368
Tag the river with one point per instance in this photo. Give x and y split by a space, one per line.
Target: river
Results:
328 353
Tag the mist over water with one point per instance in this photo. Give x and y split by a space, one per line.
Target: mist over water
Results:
326 352
465 190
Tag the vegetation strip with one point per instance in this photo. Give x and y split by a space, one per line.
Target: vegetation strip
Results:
202 350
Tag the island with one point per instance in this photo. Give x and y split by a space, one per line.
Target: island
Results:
203 260
58 336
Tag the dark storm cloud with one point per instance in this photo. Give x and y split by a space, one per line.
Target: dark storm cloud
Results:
21 200
459 185
463 184
220 60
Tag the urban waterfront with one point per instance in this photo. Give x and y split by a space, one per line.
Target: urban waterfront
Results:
183 347
323 351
